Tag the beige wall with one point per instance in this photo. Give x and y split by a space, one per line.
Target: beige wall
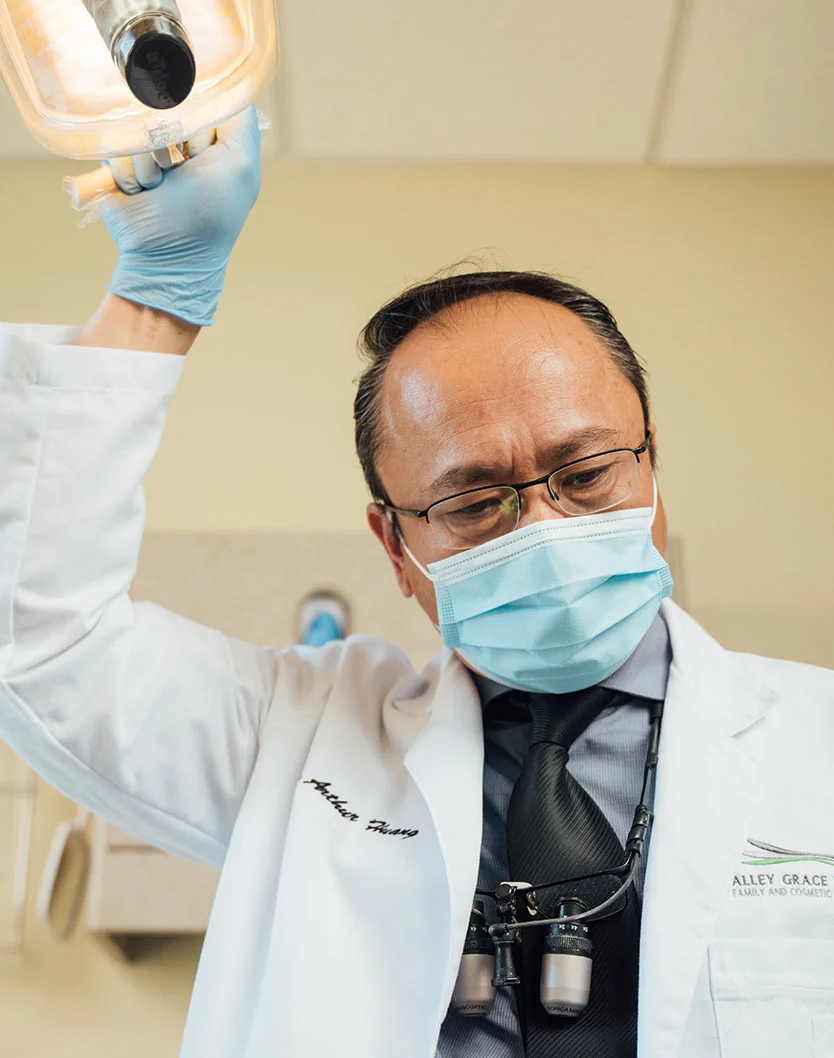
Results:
721 279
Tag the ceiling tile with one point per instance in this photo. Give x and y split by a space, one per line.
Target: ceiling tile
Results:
537 80
752 83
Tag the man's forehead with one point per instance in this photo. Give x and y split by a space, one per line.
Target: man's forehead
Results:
512 349
500 391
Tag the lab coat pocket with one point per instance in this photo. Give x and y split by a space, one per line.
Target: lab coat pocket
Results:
772 997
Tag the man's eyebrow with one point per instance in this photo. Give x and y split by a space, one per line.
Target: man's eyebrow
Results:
584 442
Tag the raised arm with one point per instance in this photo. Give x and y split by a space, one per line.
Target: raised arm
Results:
122 324
149 719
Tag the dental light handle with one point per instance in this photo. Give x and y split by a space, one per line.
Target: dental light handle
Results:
89 188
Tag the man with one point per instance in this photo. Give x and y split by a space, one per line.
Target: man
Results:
354 804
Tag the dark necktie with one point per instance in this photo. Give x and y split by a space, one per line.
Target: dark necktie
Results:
556 830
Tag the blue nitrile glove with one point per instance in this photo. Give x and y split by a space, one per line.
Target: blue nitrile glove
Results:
174 241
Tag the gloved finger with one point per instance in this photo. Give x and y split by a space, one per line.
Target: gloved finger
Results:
148 172
241 131
238 148
139 173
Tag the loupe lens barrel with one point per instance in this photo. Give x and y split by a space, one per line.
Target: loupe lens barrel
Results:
565 984
474 991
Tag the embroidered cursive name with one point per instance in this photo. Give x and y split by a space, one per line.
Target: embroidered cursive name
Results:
324 789
380 826
376 826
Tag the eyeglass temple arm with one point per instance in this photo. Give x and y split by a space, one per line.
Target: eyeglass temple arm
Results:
401 510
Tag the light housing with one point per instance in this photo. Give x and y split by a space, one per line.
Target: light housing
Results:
57 64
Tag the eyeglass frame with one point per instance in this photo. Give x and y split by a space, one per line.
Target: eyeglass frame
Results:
646 446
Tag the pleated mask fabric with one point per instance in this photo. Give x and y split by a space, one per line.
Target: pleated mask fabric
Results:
556 606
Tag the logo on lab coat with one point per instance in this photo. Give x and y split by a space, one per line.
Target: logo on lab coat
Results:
772 872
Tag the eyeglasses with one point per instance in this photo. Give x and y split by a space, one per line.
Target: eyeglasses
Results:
584 486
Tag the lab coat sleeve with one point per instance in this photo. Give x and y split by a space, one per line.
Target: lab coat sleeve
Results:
147 718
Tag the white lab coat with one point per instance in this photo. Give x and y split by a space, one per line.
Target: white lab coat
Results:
327 937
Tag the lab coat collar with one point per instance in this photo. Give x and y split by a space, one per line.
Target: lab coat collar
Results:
709 784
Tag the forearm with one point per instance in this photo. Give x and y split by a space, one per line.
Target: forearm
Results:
122 324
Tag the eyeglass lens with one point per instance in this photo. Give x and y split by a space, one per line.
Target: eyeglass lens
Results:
587 487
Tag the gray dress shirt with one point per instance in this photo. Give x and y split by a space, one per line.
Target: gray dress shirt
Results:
608 760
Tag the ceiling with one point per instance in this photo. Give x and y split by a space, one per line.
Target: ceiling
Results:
692 82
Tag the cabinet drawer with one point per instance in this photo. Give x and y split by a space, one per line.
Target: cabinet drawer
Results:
135 888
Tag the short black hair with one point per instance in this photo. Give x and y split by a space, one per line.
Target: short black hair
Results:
420 303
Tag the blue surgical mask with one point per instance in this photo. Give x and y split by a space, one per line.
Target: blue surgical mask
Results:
556 606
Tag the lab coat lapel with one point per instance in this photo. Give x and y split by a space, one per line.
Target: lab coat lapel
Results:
390 913
709 784
446 762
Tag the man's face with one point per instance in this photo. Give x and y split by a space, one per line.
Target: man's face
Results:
497 390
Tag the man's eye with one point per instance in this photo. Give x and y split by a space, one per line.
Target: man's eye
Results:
586 479
478 511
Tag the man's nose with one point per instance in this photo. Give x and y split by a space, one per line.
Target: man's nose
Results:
537 506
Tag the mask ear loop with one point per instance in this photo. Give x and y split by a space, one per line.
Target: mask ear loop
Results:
654 500
407 549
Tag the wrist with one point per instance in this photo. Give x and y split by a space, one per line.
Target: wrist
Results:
189 293
120 323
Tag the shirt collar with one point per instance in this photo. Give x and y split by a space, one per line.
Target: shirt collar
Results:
644 674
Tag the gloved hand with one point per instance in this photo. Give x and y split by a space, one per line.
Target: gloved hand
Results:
174 241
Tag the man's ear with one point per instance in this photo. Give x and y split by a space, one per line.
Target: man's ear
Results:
660 529
384 529
653 435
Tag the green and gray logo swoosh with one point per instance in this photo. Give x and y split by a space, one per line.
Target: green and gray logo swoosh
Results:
762 853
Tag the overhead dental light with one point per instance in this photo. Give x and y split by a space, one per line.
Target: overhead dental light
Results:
110 78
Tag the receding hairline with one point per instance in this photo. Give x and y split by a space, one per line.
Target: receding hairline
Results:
425 302
452 317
